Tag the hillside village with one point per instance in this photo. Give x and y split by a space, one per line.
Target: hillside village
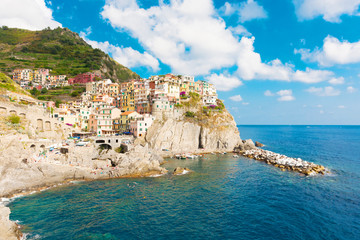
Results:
107 108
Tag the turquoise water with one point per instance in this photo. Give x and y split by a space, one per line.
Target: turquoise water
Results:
226 197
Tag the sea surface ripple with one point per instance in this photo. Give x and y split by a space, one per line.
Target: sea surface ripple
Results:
225 197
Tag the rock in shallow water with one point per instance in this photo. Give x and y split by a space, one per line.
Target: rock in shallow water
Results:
181 171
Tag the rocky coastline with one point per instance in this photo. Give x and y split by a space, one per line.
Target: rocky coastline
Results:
26 166
285 163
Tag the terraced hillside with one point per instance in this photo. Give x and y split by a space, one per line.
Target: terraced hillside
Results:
59 49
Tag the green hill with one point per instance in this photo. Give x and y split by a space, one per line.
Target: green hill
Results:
59 49
7 83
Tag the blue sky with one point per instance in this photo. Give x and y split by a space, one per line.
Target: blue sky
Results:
273 62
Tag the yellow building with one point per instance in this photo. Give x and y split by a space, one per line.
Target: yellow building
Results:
128 96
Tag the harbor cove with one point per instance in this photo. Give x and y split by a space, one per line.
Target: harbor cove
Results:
225 197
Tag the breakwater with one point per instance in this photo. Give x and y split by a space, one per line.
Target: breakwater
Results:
285 163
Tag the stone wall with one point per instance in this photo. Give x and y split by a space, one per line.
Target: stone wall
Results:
39 123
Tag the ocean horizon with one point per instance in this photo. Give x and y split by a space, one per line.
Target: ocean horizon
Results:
225 197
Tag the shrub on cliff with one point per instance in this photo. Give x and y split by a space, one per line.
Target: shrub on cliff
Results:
178 105
189 114
14 119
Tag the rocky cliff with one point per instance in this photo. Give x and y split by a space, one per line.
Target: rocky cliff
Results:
194 129
26 164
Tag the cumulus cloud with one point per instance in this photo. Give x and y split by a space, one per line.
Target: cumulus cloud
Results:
312 76
285 95
28 14
192 39
240 31
224 82
125 56
333 52
183 34
236 98
324 92
250 66
247 11
331 11
268 93
351 89
337 81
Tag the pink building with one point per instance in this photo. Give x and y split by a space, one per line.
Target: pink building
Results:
51 104
84 78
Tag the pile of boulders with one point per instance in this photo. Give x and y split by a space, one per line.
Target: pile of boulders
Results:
285 163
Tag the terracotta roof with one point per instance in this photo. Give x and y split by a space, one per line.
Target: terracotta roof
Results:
127 113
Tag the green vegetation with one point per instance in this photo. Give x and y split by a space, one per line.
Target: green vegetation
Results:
57 103
7 83
220 104
59 94
59 49
14 119
119 149
189 114
178 105
195 98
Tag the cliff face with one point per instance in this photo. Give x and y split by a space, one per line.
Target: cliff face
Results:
205 132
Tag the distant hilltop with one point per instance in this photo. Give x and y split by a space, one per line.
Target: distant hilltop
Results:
61 50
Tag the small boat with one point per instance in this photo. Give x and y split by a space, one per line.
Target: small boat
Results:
235 156
190 156
183 156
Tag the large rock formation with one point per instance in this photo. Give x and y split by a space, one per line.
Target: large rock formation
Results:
8 229
205 132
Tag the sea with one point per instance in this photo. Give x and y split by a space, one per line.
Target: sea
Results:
223 198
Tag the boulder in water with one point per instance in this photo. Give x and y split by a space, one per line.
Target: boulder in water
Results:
258 144
181 171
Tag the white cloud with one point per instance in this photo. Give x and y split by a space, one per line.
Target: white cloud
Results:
236 98
245 103
224 82
319 106
341 106
246 11
185 35
333 52
268 93
125 56
321 112
285 95
325 92
250 66
351 89
240 31
331 11
192 39
337 81
312 76
28 14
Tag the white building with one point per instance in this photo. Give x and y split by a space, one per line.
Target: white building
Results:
141 124
187 79
209 99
